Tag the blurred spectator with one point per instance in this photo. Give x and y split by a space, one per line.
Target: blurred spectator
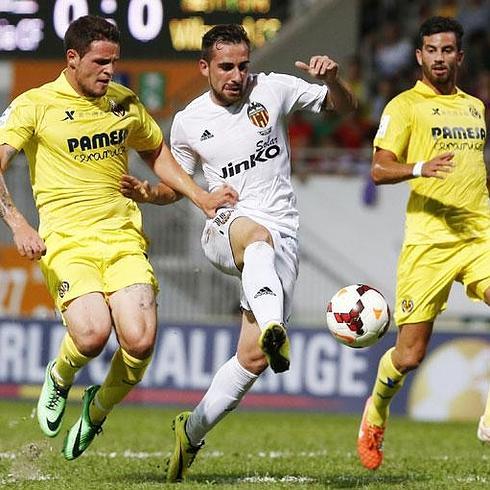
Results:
385 90
394 52
474 16
358 84
447 8
300 131
300 136
353 132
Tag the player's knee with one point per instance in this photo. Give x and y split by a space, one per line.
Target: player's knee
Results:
410 361
92 341
255 364
141 348
261 234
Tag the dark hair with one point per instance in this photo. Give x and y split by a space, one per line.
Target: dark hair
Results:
223 33
435 25
84 30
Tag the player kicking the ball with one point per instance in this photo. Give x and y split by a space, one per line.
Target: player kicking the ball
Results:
237 133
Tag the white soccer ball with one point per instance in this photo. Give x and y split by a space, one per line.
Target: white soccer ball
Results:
358 315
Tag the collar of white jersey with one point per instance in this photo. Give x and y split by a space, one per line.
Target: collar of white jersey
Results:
425 89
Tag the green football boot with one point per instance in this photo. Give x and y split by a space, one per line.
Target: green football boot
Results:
274 343
51 404
82 433
184 452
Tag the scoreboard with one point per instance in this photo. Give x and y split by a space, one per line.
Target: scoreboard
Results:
150 29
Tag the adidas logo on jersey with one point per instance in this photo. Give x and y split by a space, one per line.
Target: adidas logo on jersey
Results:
206 135
264 290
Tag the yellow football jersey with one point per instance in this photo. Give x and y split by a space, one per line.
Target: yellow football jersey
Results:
77 149
418 125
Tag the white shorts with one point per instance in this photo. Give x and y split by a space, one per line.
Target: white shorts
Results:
216 244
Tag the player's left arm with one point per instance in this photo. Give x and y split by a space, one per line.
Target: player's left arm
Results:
176 179
339 97
144 192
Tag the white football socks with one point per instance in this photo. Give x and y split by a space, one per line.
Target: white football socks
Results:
229 385
261 284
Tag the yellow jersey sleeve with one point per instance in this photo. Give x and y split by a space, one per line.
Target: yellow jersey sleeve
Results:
18 122
395 128
146 134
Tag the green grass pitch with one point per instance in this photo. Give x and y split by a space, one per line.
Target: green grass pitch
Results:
248 450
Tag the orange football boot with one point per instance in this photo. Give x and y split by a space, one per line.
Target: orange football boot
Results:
370 442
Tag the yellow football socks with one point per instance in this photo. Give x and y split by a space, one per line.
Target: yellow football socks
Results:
68 362
126 371
388 381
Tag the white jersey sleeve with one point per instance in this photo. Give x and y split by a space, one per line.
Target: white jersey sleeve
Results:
297 94
180 147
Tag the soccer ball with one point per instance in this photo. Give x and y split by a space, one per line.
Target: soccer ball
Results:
358 315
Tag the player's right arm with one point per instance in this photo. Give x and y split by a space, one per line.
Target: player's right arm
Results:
386 169
27 240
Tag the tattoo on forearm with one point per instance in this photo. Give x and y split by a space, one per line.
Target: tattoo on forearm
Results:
6 204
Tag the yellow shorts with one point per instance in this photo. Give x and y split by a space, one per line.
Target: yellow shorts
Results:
75 265
427 272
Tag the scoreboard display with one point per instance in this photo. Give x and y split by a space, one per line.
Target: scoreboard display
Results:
150 29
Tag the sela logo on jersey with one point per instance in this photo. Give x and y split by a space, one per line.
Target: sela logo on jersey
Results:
265 150
258 114
98 140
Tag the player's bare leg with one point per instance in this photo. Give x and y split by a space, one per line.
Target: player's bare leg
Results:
88 328
134 315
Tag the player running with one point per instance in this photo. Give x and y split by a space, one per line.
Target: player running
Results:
432 135
76 133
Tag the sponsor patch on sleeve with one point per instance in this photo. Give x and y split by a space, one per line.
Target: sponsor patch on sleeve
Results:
5 115
383 126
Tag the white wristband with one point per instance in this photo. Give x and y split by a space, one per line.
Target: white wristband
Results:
417 169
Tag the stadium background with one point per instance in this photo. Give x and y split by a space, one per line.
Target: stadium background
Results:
350 231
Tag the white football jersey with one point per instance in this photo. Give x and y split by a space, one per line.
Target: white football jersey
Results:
246 145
